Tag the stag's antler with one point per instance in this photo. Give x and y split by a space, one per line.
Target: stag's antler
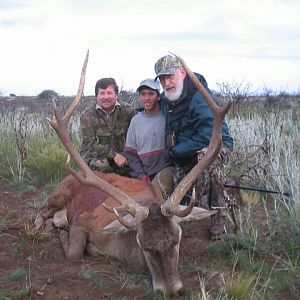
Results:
89 178
171 206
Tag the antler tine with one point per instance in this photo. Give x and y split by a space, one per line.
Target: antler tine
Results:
60 123
77 99
65 119
88 177
212 104
171 206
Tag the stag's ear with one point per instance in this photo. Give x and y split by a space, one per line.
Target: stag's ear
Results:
116 226
196 214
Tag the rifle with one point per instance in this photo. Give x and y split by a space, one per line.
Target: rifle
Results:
257 190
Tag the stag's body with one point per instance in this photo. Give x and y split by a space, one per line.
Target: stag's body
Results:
94 230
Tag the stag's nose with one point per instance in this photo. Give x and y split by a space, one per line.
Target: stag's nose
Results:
175 290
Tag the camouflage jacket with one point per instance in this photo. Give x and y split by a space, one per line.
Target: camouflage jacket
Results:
104 135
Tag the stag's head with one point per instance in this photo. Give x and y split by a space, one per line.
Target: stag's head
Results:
158 236
155 220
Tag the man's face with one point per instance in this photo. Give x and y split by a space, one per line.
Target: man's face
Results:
173 84
149 99
107 98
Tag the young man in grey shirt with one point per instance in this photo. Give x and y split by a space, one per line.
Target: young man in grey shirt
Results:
145 141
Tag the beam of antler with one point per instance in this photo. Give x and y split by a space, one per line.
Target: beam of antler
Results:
88 177
171 206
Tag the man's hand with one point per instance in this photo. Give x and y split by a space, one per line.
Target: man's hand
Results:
224 154
145 178
168 154
201 153
120 160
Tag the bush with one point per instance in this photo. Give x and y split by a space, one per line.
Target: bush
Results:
46 161
47 94
10 166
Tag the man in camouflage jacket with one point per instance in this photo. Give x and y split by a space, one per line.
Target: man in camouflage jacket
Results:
104 128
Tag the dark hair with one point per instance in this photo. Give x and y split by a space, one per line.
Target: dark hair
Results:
103 83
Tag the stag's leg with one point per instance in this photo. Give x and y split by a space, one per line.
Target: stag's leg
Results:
73 242
43 216
64 240
92 250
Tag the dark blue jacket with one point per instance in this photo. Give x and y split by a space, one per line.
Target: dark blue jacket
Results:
191 120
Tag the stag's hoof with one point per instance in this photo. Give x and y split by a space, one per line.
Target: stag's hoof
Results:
216 231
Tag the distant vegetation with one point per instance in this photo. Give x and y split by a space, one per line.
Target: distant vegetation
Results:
47 94
24 129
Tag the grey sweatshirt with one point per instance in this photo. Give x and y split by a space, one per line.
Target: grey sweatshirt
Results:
145 144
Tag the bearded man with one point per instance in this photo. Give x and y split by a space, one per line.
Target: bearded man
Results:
189 126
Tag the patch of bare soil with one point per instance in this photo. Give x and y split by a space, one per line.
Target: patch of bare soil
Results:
50 276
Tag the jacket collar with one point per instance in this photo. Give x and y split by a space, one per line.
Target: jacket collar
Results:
98 107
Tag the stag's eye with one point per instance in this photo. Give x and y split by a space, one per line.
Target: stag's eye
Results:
152 252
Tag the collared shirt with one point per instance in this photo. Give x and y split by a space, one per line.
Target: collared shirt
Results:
98 106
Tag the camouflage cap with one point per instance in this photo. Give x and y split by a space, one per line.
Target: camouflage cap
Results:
166 65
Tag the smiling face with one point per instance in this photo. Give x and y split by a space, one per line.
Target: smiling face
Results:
107 98
149 99
172 84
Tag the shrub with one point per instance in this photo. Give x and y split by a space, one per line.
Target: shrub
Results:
47 94
17 275
46 160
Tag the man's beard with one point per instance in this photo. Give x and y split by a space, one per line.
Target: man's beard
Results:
174 96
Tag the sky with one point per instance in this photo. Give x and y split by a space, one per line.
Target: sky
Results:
44 43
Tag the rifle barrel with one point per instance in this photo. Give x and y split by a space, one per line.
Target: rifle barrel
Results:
257 190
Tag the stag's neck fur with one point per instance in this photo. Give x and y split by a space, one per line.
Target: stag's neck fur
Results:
118 243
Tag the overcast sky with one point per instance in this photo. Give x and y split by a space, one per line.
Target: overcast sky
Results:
44 42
